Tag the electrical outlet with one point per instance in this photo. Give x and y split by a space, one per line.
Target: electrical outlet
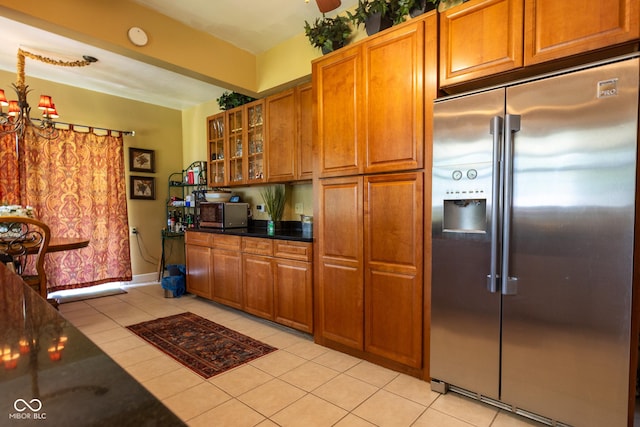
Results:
134 230
260 208
299 208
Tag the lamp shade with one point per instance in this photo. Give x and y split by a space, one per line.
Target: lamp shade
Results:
3 99
14 109
45 102
51 112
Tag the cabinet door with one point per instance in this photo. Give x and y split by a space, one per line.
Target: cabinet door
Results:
258 285
199 263
394 100
337 83
215 148
293 294
234 147
481 38
305 131
339 284
556 29
227 278
281 134
393 234
256 143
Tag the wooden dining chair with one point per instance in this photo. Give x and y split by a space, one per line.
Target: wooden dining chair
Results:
21 238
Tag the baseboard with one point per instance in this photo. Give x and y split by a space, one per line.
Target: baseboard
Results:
142 278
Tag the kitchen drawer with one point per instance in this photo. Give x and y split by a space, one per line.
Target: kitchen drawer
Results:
232 243
291 249
257 245
198 239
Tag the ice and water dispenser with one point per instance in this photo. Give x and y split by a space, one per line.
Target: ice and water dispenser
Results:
462 191
465 215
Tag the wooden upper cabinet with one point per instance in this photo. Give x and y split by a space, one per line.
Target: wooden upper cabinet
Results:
215 149
555 29
369 103
305 131
394 99
483 38
281 134
337 82
480 38
245 144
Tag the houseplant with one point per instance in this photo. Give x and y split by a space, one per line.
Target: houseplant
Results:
377 15
229 100
328 34
274 198
423 6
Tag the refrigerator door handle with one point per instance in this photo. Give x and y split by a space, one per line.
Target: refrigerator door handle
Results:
496 128
512 125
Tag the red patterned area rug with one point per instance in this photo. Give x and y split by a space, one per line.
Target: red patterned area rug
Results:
201 345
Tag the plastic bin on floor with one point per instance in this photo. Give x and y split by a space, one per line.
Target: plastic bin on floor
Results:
174 284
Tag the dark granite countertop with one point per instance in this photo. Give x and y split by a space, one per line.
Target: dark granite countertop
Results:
85 387
290 230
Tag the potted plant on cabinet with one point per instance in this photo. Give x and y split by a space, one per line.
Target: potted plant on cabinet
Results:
229 100
377 15
423 6
274 198
328 34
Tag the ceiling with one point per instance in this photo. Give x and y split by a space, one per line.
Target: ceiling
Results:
252 25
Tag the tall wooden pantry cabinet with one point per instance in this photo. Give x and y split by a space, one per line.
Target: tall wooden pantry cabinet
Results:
372 156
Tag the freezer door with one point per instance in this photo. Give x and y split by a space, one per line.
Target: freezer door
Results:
465 316
566 332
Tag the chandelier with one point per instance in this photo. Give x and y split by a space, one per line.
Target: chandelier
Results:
18 117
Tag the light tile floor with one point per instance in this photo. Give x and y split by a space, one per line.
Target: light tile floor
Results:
300 384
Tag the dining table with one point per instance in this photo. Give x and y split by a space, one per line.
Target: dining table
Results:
58 244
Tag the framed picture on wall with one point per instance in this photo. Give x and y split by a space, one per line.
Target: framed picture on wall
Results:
142 187
141 160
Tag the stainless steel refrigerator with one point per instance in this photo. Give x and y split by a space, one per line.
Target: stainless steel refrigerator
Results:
534 189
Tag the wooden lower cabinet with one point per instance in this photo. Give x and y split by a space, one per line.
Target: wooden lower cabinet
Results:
258 285
393 266
278 284
227 278
369 287
339 283
268 278
293 298
198 263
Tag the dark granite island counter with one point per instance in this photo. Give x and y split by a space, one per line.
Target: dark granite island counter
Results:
52 374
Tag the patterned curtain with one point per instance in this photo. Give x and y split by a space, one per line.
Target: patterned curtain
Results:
9 177
76 184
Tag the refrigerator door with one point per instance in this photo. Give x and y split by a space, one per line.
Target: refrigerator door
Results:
465 316
566 331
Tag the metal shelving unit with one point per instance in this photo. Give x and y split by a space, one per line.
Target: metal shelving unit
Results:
184 190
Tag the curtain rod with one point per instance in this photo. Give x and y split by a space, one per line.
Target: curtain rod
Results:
91 128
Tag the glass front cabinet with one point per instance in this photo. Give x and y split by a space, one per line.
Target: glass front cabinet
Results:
216 140
255 139
236 145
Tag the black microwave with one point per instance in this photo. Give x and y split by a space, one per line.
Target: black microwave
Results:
224 215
